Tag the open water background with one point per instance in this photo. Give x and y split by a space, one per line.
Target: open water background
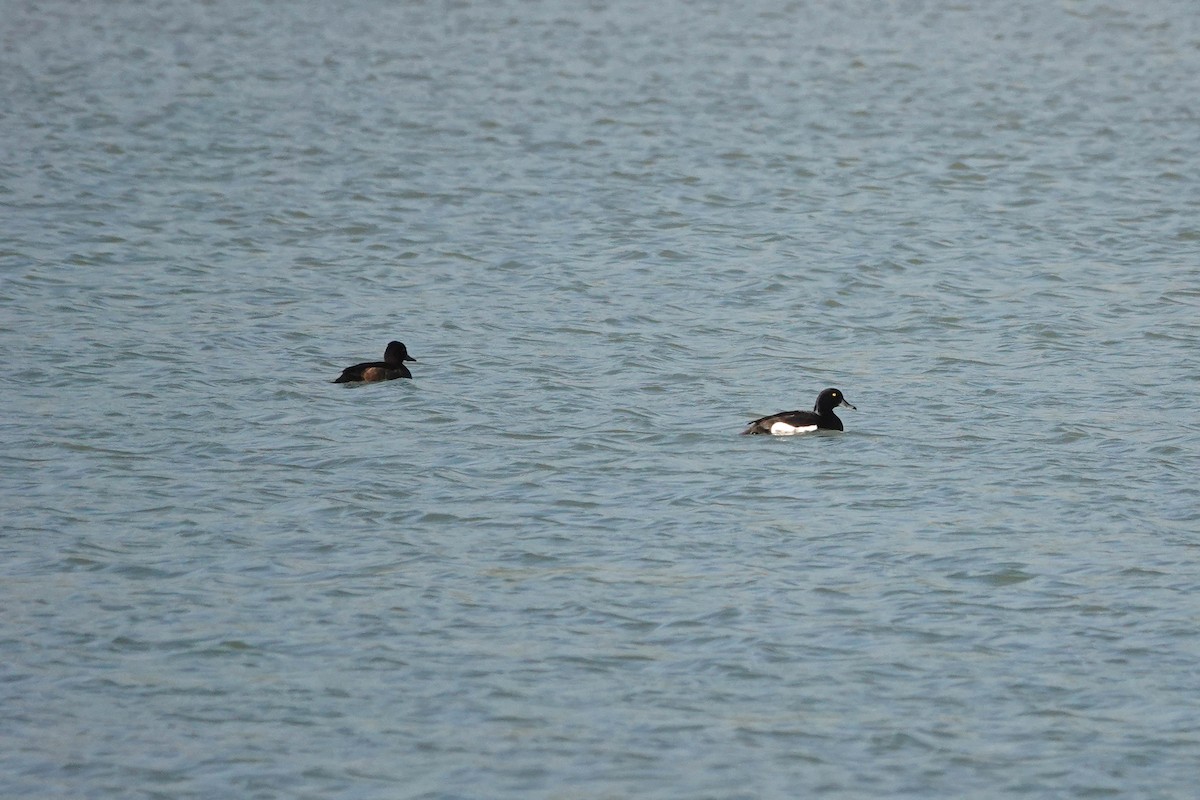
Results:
612 232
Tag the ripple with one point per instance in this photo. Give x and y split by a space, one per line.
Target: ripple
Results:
549 559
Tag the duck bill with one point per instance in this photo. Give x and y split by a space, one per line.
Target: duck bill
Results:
846 404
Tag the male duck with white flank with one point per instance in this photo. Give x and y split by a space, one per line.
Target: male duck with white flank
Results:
788 423
390 368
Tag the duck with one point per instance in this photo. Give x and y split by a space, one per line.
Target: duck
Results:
390 368
788 423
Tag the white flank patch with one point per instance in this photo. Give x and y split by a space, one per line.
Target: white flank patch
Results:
783 429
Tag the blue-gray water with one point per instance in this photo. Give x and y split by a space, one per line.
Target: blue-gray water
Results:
612 233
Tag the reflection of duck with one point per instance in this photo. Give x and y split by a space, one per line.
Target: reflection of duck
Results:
786 423
391 367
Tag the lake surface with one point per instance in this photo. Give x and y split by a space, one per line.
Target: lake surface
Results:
612 233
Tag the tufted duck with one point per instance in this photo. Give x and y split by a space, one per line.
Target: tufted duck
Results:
391 367
786 423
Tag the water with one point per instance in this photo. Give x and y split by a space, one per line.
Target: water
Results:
611 233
